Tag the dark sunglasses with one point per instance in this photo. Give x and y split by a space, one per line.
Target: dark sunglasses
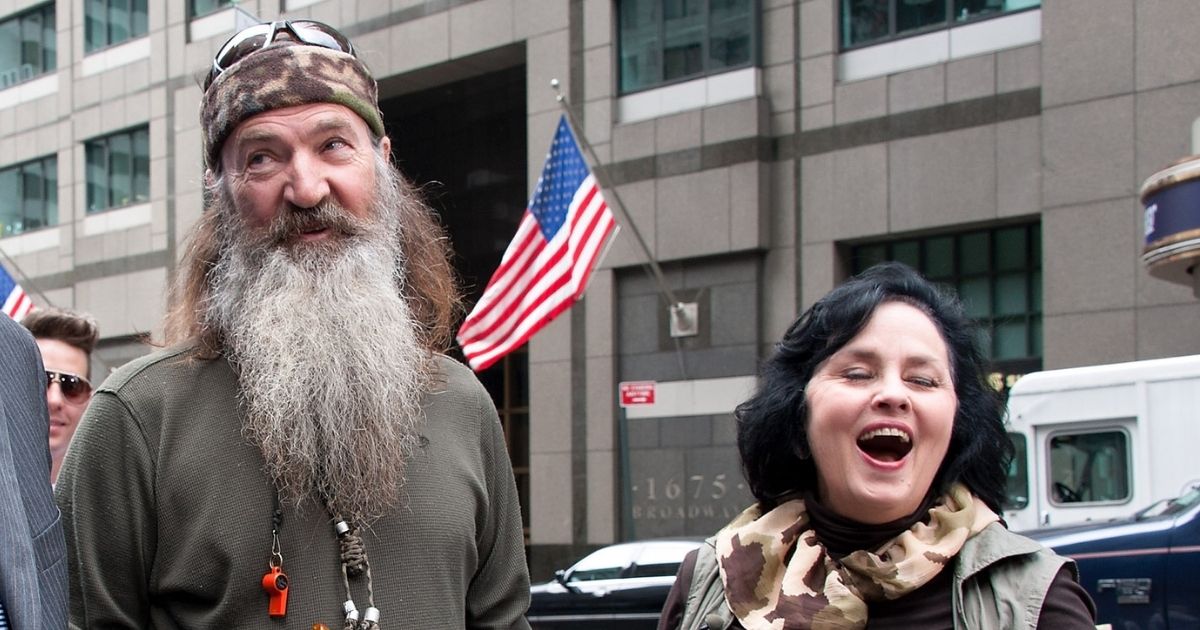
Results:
75 389
254 38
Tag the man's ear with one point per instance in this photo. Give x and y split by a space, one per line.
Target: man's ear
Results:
385 147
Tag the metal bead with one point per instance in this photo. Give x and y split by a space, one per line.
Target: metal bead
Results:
349 607
371 615
341 528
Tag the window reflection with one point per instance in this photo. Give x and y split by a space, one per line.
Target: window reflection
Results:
27 46
29 196
995 272
872 21
661 41
118 170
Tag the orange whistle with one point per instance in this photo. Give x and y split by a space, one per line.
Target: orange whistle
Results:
275 583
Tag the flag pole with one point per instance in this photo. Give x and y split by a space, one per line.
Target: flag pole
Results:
677 308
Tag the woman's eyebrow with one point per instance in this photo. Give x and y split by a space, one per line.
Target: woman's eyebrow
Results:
867 354
856 354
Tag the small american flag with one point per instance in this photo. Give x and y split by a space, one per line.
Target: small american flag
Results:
15 303
546 267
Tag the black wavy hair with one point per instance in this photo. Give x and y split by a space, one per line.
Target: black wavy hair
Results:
772 425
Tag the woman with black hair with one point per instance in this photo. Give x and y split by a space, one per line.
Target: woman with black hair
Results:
877 455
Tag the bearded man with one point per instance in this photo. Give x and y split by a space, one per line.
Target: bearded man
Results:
303 453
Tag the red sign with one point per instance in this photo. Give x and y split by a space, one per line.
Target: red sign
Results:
636 393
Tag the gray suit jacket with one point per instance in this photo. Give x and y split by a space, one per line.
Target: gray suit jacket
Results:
33 568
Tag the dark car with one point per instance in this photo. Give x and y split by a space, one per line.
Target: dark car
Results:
620 586
1144 571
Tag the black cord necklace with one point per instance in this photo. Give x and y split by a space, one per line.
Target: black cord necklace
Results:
275 582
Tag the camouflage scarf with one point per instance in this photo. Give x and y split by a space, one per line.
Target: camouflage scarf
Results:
777 574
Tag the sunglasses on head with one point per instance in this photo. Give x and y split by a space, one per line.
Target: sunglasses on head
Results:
254 38
75 388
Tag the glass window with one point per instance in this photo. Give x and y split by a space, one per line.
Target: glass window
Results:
872 21
204 7
109 22
976 253
1089 467
29 196
1012 294
939 257
996 273
28 48
908 252
663 41
11 214
913 16
141 164
118 170
1011 340
1011 248
1018 474
976 295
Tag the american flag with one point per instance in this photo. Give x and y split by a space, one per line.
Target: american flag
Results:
546 267
15 303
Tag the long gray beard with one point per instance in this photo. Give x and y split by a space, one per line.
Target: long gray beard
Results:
330 366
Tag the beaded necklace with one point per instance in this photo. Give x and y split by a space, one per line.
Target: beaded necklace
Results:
355 563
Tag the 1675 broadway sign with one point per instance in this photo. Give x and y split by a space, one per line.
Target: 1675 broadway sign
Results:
684 492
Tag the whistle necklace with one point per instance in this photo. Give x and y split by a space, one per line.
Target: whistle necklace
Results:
275 582
354 563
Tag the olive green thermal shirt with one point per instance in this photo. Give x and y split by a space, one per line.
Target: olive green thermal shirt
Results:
168 511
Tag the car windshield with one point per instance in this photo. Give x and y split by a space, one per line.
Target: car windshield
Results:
603 564
661 559
656 558
1168 507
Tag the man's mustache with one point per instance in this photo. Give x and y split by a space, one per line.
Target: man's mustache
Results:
292 221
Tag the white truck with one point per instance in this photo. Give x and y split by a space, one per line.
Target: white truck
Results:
1104 441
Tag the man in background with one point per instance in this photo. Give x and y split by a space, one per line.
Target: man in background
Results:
33 574
66 340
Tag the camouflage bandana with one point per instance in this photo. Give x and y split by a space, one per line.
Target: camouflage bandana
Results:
284 75
777 575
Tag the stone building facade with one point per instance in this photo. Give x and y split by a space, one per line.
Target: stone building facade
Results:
764 149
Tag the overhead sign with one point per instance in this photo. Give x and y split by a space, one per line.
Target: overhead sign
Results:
636 393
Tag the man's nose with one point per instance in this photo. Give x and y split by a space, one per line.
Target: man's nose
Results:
54 397
307 185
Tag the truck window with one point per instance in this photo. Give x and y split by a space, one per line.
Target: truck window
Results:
1089 467
1018 474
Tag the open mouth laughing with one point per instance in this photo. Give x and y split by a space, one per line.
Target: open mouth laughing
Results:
885 444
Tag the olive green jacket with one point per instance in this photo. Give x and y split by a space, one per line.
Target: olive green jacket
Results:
1000 582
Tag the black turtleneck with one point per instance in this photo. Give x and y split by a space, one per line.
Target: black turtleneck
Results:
842 536
926 607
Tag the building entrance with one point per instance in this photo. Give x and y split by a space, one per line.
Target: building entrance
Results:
463 144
